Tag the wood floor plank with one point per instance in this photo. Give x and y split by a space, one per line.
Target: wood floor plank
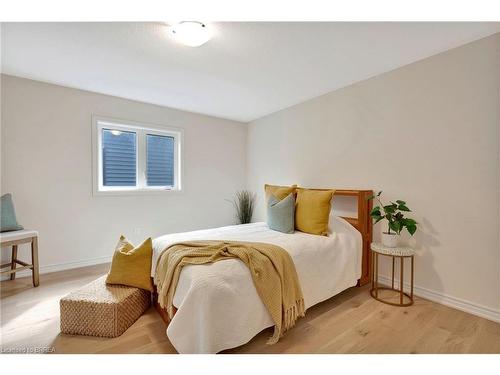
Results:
351 322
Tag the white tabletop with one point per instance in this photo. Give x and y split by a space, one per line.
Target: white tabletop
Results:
402 251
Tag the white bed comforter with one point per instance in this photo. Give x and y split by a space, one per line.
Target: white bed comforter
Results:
218 306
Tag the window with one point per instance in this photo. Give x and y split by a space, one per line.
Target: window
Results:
130 157
160 160
119 158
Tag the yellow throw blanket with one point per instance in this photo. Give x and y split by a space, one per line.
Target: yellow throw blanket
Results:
272 269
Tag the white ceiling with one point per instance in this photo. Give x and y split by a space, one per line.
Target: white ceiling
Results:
246 71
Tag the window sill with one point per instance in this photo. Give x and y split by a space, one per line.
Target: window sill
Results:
136 192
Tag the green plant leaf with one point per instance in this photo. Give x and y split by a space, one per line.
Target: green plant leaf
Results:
378 219
390 209
400 202
402 207
395 226
375 210
378 194
408 221
412 228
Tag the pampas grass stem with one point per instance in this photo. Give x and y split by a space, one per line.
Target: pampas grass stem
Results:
244 203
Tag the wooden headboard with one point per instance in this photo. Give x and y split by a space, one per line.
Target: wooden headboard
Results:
363 223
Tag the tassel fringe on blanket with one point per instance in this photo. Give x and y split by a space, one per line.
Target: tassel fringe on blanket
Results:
290 316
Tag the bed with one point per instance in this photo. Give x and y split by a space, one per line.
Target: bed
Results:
217 306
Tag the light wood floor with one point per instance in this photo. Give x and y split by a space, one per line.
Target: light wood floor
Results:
351 322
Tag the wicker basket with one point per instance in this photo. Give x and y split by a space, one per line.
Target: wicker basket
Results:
102 310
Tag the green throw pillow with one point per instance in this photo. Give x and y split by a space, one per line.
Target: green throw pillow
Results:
281 213
8 215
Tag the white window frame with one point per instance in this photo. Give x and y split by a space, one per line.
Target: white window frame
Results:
142 130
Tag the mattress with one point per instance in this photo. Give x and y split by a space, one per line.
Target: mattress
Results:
217 304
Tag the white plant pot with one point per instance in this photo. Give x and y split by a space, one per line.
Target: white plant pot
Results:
390 239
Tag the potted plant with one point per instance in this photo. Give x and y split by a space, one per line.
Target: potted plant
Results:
244 204
394 214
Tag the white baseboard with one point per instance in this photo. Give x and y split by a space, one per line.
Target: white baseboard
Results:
62 266
447 300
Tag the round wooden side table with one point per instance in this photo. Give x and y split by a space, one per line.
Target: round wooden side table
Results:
393 252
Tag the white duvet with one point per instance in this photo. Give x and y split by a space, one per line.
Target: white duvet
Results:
218 306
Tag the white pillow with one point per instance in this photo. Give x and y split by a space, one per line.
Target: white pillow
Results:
338 224
331 222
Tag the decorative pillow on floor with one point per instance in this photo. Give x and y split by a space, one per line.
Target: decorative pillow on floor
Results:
131 265
312 210
8 214
280 192
280 213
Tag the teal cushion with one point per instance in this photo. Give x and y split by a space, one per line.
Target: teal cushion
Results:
281 213
8 215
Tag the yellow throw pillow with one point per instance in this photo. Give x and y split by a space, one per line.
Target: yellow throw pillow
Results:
312 210
280 192
132 266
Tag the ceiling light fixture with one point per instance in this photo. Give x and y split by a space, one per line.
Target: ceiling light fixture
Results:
191 33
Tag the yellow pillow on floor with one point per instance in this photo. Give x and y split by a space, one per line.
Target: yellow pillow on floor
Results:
131 265
312 210
280 192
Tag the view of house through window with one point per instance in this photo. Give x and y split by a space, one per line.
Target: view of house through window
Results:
119 158
136 158
160 160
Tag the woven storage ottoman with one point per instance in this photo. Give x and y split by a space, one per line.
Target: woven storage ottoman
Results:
102 310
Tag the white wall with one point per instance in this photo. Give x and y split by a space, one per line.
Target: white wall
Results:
427 133
47 165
